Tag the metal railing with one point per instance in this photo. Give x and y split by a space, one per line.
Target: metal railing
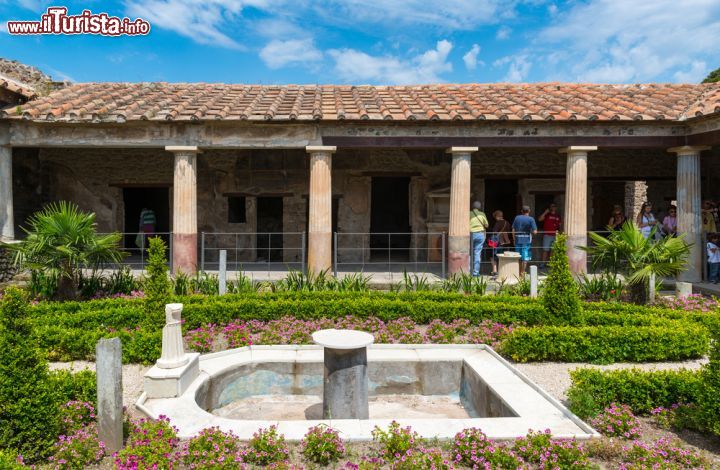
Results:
135 244
389 252
254 251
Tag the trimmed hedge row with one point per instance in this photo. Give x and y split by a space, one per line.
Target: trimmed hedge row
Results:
607 344
593 390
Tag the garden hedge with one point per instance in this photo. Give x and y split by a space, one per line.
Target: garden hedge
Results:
607 344
606 332
593 390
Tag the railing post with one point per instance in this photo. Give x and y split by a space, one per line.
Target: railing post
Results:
202 251
222 273
335 254
303 268
388 248
142 252
442 261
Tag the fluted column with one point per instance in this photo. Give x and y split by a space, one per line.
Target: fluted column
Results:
185 238
320 209
7 222
459 226
576 206
689 217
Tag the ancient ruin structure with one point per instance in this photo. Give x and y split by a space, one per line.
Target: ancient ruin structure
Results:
315 164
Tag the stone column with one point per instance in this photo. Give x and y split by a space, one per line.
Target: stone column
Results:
185 239
459 226
319 257
108 366
7 222
689 217
576 190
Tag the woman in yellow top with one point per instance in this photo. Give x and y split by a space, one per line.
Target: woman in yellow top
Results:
478 227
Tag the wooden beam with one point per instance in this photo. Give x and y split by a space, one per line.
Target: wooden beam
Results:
627 142
704 138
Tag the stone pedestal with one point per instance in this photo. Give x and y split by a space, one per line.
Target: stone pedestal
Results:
108 355
508 267
320 209
185 239
345 384
459 223
7 220
175 370
683 289
689 217
576 191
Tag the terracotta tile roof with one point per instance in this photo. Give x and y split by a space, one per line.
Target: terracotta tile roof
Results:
16 87
121 102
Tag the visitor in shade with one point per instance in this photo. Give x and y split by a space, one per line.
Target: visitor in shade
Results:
708 219
669 223
499 237
523 229
147 226
646 219
551 224
713 254
617 218
478 228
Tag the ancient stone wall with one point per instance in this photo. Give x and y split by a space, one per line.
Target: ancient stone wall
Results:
7 269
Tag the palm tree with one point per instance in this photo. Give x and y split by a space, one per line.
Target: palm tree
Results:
61 240
627 252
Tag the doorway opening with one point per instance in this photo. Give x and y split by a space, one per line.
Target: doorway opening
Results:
502 194
269 236
390 218
605 194
137 199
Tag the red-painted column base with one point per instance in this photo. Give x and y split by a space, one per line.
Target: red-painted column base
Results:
184 255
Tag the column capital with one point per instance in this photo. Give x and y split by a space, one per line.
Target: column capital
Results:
461 150
688 149
320 149
183 149
578 149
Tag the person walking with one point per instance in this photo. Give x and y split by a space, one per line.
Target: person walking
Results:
146 226
478 228
499 238
551 224
523 229
646 219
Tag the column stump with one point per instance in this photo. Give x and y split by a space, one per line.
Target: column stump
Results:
345 381
509 267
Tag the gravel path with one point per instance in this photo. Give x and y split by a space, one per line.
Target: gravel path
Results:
554 377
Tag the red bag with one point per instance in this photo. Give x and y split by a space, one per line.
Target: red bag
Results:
492 243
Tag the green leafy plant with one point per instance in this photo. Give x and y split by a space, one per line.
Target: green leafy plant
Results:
465 283
355 282
605 287
242 284
78 450
121 281
561 298
76 415
709 402
205 283
29 412
626 251
395 440
181 284
61 240
413 283
43 284
322 445
11 460
211 449
158 287
541 449
617 421
150 444
593 390
266 446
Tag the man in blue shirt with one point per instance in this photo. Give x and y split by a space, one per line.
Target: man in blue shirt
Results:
523 228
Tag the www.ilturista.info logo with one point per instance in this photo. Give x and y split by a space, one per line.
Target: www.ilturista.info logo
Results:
57 21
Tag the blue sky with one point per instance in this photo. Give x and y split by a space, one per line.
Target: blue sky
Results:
381 42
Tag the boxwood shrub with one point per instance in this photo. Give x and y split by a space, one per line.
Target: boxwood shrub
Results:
593 390
607 344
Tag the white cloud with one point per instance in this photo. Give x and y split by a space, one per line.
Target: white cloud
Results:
623 41
518 67
279 53
470 58
356 66
450 14
203 22
503 33
697 72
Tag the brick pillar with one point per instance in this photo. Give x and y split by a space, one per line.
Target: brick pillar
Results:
7 220
635 196
689 217
185 237
576 195
319 257
459 226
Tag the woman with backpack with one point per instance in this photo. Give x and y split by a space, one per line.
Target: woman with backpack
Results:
499 238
